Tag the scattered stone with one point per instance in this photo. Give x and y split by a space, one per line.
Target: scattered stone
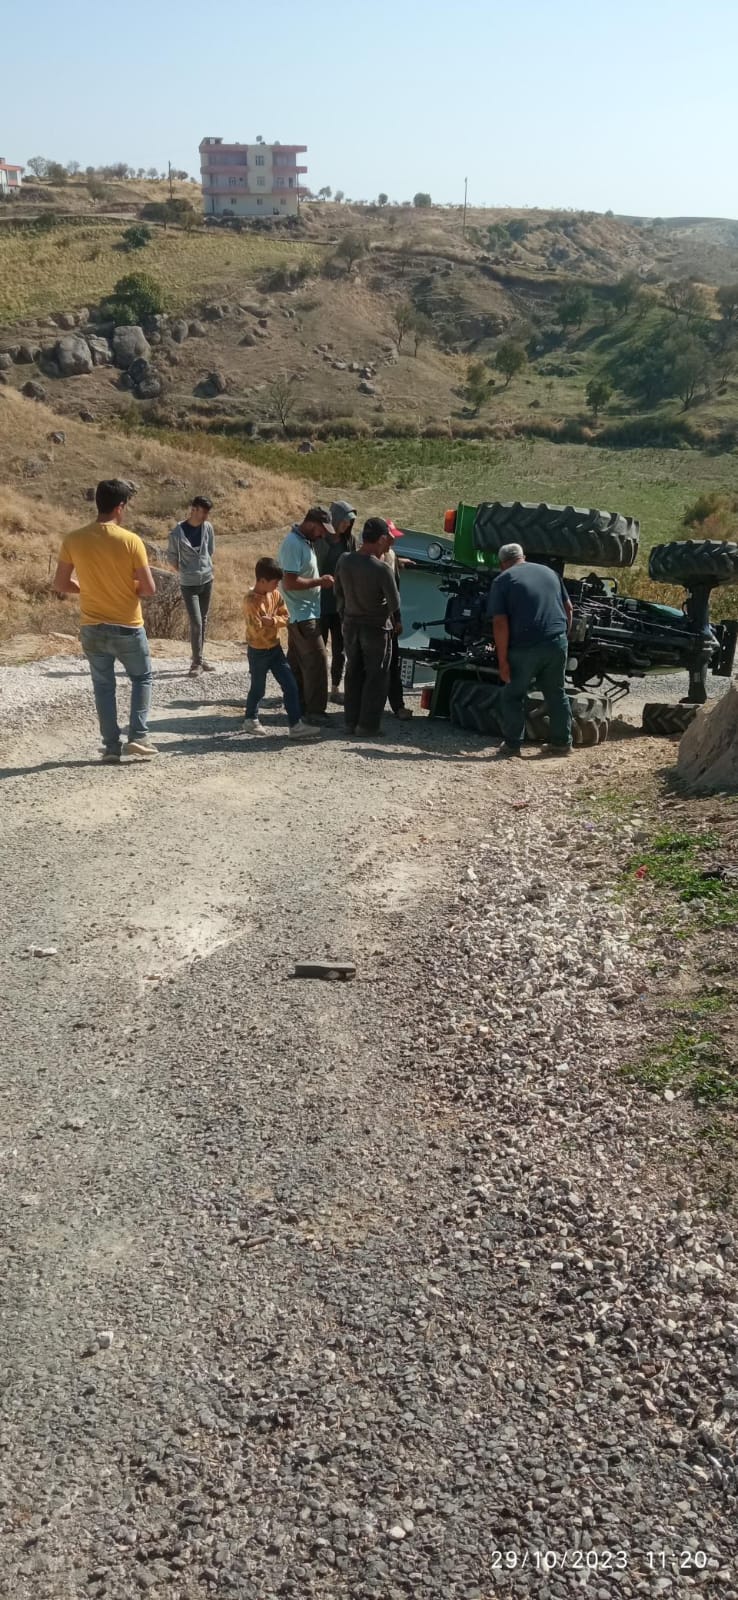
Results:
100 350
149 388
248 338
180 331
34 390
57 438
86 415
306 448
27 354
367 388
197 331
6 360
64 319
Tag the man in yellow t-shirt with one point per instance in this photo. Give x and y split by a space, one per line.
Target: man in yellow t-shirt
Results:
112 573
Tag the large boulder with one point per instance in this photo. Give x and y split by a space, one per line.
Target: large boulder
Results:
64 319
100 350
72 355
149 388
708 751
128 343
140 369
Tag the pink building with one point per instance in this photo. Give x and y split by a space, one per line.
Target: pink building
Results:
250 180
10 177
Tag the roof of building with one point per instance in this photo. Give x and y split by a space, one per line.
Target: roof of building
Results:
8 166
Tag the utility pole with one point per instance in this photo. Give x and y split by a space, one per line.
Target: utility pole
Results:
463 225
171 186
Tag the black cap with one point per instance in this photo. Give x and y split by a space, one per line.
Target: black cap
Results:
318 514
374 529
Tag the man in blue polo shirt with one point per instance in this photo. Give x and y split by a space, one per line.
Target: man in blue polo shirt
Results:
301 586
531 616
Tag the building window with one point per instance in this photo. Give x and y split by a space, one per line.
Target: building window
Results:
261 183
232 183
259 161
260 202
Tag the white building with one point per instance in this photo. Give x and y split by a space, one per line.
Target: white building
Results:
250 180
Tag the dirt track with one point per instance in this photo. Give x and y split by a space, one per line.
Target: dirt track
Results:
327 1225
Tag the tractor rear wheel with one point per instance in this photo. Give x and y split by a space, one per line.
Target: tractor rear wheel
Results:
666 721
587 538
475 706
692 561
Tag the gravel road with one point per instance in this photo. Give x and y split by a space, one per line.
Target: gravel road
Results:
378 1289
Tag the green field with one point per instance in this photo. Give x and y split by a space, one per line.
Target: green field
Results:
68 266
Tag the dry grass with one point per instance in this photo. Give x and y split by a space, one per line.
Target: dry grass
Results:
74 266
44 496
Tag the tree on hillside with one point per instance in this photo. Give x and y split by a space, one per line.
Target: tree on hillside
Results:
686 299
153 172
403 318
598 394
73 167
134 298
421 201
38 165
422 329
282 398
623 293
325 193
339 196
510 359
351 248
727 302
382 199
95 189
56 174
573 306
691 368
477 387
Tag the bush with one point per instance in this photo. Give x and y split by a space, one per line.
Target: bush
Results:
421 201
137 237
163 611
175 211
135 297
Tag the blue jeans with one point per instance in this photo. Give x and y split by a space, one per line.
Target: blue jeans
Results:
103 645
545 664
261 663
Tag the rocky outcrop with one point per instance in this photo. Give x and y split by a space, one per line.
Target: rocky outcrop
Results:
101 352
708 751
128 343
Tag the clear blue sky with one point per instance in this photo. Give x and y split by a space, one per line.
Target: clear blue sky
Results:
622 104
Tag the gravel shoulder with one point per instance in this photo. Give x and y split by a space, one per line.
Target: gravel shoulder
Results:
374 1289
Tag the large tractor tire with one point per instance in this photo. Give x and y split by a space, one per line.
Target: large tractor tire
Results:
586 538
475 706
667 721
690 561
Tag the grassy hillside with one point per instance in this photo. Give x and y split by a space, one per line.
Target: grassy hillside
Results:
44 494
72 266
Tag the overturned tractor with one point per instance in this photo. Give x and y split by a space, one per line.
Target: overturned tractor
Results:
613 638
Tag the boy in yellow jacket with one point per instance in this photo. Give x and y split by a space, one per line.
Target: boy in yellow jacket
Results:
265 614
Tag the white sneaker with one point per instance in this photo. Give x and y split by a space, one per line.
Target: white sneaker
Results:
140 747
301 730
253 725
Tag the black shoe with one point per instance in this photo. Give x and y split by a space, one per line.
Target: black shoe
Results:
556 750
110 758
507 752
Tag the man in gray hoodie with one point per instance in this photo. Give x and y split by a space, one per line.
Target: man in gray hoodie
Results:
190 553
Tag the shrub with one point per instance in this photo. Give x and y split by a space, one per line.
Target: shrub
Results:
163 611
137 237
421 201
135 297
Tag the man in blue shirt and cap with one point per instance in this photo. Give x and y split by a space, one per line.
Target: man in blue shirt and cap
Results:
301 586
531 616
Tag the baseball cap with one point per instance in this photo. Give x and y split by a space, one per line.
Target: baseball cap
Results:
341 511
319 514
393 531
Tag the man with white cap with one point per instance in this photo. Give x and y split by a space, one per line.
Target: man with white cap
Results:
329 550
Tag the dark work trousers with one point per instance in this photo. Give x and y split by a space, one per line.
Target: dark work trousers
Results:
197 601
368 652
330 628
308 659
394 692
